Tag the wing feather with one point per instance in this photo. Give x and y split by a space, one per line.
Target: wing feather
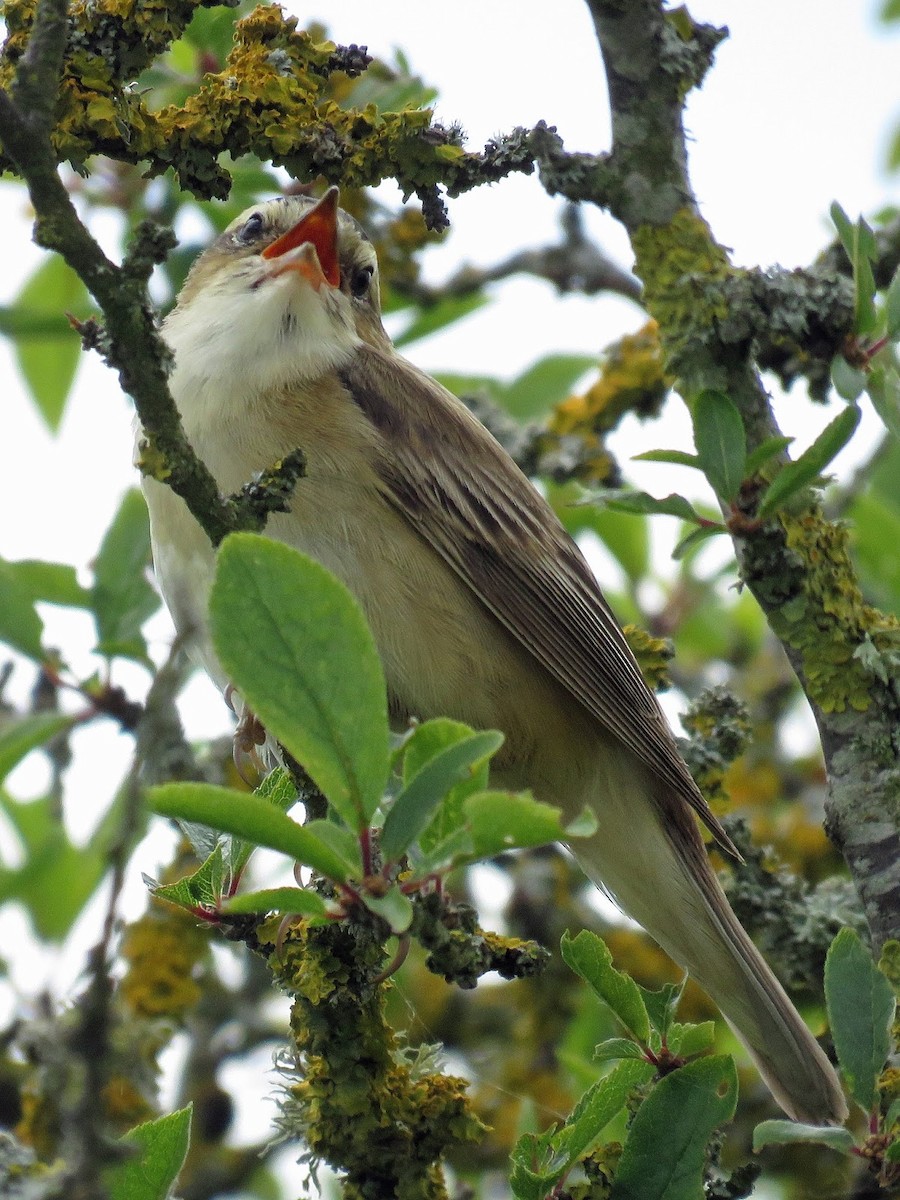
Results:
455 484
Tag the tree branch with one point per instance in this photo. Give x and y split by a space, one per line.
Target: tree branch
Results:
797 564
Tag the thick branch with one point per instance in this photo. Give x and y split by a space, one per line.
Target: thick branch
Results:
797 565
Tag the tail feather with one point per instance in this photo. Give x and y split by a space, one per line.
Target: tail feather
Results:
661 876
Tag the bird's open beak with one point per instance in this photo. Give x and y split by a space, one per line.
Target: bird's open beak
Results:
310 246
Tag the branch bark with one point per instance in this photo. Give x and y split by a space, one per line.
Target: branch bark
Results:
797 564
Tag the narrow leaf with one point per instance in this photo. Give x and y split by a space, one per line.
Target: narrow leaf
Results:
247 816
693 539
439 316
672 505
786 1133
665 1152
844 227
861 1006
764 453
161 1147
679 458
300 901
721 442
588 956
296 645
544 384
414 807
892 307
812 462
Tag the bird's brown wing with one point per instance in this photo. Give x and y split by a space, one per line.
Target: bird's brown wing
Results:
452 481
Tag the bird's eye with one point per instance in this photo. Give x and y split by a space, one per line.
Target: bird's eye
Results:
360 280
251 228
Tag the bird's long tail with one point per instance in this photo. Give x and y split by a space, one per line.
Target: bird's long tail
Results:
662 878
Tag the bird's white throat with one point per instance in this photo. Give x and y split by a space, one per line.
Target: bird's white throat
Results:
246 334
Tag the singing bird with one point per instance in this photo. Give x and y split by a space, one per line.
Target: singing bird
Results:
481 605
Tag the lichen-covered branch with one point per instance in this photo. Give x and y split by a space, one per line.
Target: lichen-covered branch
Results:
128 339
797 564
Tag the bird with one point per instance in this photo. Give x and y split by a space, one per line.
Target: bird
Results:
481 605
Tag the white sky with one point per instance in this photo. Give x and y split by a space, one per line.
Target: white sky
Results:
796 113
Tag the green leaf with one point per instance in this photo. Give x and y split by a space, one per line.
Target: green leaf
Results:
545 384
20 625
301 901
49 364
20 735
470 385
296 645
688 1040
672 505
535 1165
884 390
393 907
848 382
616 1048
795 476
56 878
665 1152
844 227
161 1148
661 1004
588 956
122 597
596 1109
859 243
423 744
787 1133
764 453
678 458
500 821
247 816
54 583
694 539
203 889
721 442
439 316
892 1153
277 789
413 809
892 308
861 1006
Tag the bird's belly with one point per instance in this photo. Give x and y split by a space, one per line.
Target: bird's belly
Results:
442 652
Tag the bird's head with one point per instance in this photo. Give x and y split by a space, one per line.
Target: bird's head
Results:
285 294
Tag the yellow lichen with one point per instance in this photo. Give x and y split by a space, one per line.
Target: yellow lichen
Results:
162 950
653 654
829 619
682 269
